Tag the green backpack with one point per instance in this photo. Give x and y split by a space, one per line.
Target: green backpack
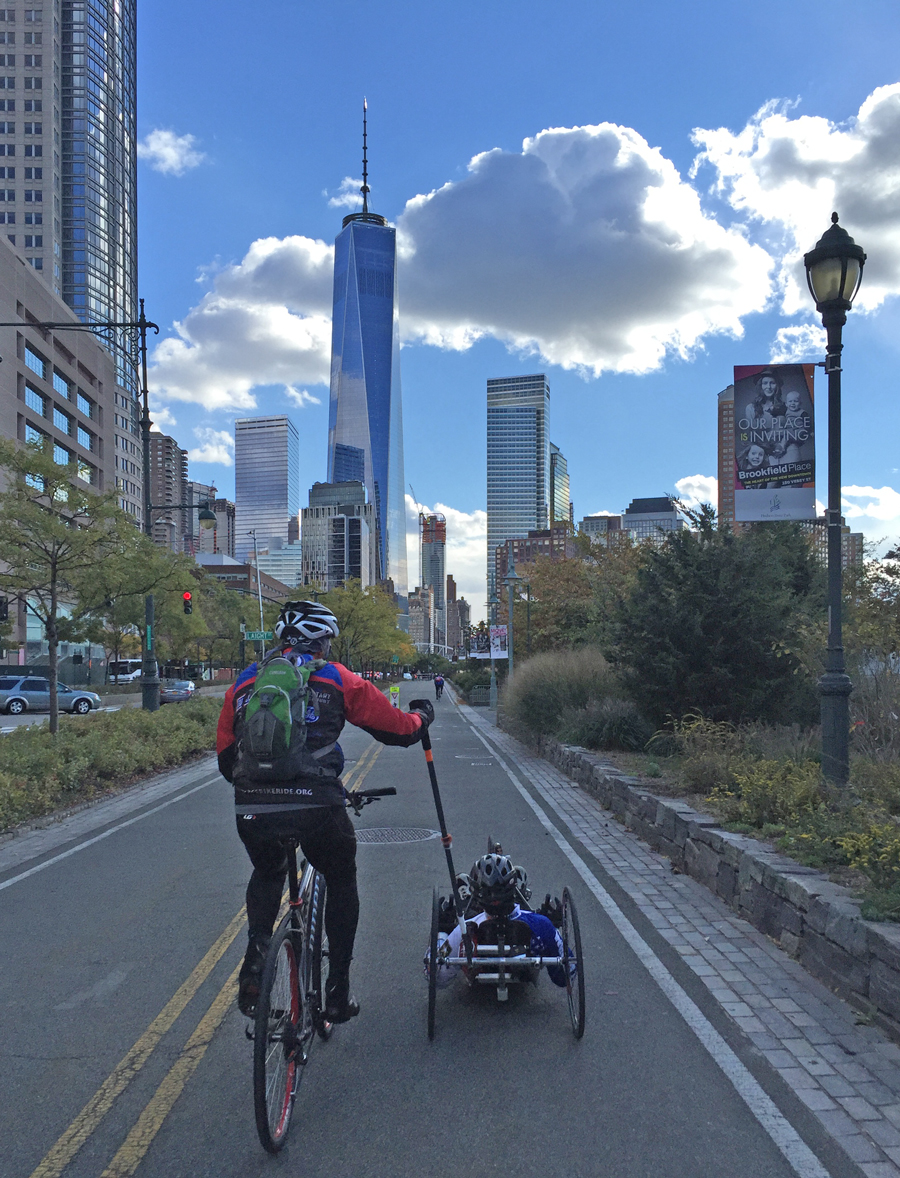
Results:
272 739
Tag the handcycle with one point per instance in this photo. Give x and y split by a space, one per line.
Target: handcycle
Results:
499 950
290 1011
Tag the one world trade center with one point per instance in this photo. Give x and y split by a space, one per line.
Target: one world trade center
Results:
365 427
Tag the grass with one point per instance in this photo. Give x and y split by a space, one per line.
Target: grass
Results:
94 755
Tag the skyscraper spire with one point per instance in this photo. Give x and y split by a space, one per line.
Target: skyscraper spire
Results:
365 184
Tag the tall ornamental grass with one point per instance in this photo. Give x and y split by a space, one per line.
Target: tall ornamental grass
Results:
40 772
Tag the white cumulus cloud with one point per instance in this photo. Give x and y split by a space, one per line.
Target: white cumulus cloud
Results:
793 172
798 345
171 154
698 488
347 196
586 247
267 321
466 558
216 446
301 397
162 420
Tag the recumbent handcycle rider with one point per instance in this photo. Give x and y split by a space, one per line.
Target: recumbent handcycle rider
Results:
310 806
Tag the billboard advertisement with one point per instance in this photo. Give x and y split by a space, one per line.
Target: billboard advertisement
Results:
488 643
774 442
499 648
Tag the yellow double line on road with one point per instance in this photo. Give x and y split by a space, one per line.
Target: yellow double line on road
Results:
150 1121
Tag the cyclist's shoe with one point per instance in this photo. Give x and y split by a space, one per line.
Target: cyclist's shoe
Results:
251 974
340 1006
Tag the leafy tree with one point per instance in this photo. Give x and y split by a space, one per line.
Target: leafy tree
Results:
708 624
55 539
368 624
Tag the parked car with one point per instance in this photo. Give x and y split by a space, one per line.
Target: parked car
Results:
175 691
30 693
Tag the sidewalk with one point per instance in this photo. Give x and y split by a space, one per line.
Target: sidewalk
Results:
845 1072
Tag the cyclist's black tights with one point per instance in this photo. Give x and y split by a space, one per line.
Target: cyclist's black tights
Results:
328 841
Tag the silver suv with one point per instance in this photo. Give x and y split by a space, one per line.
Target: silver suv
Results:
30 693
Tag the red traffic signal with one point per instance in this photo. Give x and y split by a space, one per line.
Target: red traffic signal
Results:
188 602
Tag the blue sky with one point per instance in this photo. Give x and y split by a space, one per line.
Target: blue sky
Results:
614 195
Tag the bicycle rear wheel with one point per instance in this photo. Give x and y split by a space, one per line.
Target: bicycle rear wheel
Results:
571 938
279 1040
318 950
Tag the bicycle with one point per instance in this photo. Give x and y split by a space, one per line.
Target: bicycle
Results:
290 1011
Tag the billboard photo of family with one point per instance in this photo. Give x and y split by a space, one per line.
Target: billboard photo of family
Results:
774 442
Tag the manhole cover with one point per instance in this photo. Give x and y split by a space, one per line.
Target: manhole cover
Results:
395 834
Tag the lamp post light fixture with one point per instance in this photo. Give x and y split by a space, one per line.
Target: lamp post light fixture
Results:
512 581
834 273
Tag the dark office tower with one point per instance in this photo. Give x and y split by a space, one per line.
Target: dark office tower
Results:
726 457
560 507
365 428
433 531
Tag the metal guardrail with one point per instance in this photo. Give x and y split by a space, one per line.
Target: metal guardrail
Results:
479 696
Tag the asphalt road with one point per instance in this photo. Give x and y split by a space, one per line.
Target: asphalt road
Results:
123 1051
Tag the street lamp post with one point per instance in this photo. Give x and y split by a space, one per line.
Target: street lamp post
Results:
262 628
493 602
834 273
512 580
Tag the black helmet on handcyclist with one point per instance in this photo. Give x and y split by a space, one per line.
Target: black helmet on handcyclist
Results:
494 880
306 625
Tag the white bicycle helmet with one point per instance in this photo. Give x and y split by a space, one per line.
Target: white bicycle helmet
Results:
305 621
494 882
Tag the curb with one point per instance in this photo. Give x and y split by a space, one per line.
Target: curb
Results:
812 919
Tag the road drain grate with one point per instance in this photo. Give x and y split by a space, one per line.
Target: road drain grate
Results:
395 834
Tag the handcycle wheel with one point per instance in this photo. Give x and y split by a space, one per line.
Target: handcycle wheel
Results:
278 1039
318 954
432 963
571 938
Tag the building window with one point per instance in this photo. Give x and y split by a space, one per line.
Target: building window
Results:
34 61
85 439
7 148
36 195
34 150
8 14
7 38
86 406
61 455
37 263
35 362
34 174
33 128
7 128
8 194
34 218
61 385
34 14
85 472
32 38
33 242
11 238
35 401
33 435
62 421
8 83
8 59
7 218
7 173
35 83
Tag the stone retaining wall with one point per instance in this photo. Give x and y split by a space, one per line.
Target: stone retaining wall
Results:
813 919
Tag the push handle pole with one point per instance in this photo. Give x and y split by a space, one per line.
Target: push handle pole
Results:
447 843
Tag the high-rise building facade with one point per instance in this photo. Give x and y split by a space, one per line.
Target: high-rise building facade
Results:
266 482
518 460
168 478
560 503
365 427
433 538
338 536
726 457
650 519
220 538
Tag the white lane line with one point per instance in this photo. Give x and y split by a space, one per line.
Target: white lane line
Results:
785 1137
99 837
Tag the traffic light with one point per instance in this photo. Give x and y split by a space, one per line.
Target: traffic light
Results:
188 602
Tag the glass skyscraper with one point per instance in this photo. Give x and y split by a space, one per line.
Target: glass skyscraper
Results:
266 483
559 486
365 427
518 460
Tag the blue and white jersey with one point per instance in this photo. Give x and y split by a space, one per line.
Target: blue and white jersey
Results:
545 942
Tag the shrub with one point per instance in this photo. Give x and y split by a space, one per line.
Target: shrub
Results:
878 782
605 724
546 686
707 747
875 851
40 772
769 793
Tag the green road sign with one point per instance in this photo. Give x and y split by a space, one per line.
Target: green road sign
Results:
395 658
258 635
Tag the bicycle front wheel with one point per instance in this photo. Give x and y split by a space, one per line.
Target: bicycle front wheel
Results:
279 1048
572 954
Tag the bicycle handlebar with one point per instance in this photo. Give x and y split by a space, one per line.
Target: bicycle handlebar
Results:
373 793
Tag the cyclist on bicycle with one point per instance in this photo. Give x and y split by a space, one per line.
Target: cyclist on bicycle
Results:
319 822
438 686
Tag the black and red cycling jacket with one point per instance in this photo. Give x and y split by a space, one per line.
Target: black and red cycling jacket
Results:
341 696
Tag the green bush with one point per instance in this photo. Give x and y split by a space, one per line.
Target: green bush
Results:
546 686
769 793
40 773
605 724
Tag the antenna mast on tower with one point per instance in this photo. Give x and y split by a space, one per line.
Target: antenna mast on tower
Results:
365 184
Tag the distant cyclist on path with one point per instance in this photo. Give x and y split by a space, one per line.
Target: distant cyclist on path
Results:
310 808
438 686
